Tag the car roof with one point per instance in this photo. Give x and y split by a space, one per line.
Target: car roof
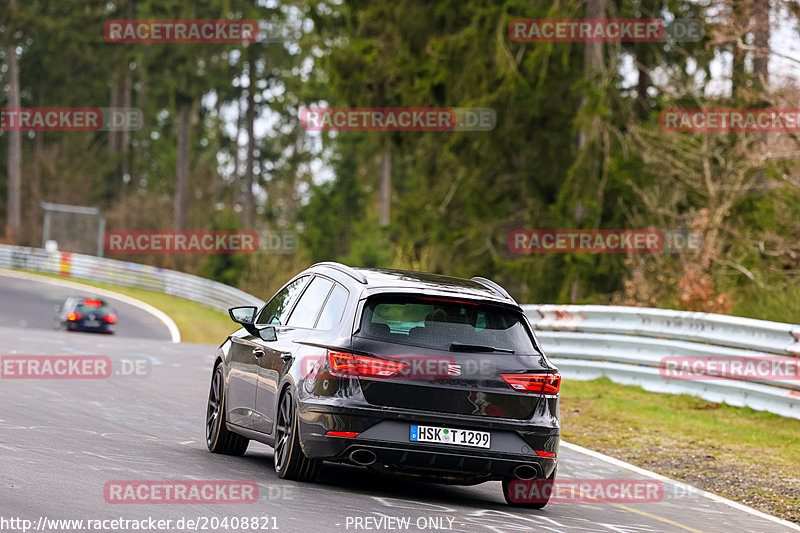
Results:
378 280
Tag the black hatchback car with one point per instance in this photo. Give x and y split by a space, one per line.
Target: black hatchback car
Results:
407 373
79 313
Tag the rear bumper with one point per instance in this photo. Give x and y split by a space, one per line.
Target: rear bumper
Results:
386 434
102 328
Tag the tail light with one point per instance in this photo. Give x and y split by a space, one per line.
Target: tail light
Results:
536 383
345 364
111 318
73 316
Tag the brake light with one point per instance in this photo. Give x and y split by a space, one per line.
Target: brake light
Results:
346 434
73 316
537 383
111 318
92 303
347 364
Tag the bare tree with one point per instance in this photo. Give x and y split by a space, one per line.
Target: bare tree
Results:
182 165
14 207
249 170
385 194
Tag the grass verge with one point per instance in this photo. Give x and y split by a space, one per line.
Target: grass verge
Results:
196 322
738 453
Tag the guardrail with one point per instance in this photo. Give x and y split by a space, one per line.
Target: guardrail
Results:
628 345
625 344
91 268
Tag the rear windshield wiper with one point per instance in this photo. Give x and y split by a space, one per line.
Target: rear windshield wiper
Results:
461 347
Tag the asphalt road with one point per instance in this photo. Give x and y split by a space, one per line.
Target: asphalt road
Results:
63 440
31 304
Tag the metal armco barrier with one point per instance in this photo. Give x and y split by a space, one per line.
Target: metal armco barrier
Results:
627 345
624 344
91 268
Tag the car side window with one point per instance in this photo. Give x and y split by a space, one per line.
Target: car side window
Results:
334 308
307 309
275 312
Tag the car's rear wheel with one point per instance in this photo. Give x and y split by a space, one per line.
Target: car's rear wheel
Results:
290 461
218 438
536 495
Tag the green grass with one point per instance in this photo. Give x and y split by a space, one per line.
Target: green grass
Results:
742 454
609 408
779 305
196 322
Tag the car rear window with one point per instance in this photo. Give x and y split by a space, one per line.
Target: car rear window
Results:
99 309
438 323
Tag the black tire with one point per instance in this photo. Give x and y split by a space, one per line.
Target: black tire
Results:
544 490
289 460
219 438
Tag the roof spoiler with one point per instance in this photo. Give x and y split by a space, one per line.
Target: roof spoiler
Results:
353 273
494 287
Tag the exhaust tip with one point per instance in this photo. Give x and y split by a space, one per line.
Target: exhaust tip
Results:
362 457
526 472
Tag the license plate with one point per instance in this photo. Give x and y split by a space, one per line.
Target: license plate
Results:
92 323
457 437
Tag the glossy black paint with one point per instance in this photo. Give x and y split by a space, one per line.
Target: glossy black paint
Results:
381 410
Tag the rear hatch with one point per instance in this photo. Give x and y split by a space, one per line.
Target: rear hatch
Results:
448 355
93 313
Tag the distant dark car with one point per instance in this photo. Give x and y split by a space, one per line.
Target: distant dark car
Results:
410 374
85 314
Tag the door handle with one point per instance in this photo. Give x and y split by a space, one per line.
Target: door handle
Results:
286 356
258 352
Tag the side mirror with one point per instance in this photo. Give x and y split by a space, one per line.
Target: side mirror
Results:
243 315
58 308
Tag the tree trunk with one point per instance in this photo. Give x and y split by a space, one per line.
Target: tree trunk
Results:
114 136
592 57
761 41
250 205
738 77
38 155
385 195
182 166
14 207
642 66
651 9
125 141
237 136
592 65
